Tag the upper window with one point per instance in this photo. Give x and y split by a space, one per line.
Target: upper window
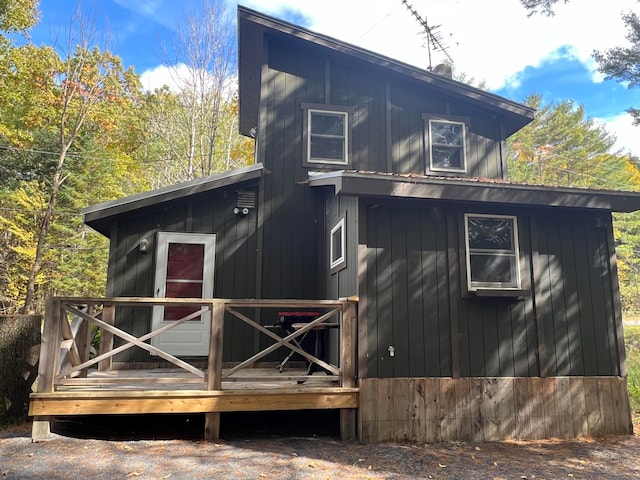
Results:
326 135
492 252
327 139
337 246
446 145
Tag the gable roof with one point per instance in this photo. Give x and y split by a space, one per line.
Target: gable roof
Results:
253 26
99 216
482 191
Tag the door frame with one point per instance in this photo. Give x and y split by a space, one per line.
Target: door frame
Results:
193 328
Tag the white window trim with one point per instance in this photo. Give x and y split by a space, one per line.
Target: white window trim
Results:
323 161
516 254
340 261
435 168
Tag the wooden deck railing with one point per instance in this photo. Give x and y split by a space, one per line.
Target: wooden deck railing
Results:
70 325
74 373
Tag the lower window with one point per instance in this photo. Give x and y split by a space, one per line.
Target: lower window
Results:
337 246
492 252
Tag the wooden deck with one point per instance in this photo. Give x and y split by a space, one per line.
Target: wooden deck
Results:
72 381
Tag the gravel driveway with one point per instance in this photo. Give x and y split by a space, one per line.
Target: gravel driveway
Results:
265 456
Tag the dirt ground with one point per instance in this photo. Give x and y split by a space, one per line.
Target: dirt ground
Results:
97 449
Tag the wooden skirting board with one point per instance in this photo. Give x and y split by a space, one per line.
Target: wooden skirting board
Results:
422 410
190 401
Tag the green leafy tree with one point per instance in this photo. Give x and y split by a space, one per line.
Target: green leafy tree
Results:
90 89
623 63
563 147
63 121
164 151
618 63
192 125
18 16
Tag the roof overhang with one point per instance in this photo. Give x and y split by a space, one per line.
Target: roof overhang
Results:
100 216
482 191
253 26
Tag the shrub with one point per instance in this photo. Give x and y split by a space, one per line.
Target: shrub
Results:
632 343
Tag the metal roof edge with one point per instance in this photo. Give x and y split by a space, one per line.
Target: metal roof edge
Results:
417 186
171 192
454 86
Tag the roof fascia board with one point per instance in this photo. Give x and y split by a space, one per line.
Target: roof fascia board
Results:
371 185
451 86
331 179
172 192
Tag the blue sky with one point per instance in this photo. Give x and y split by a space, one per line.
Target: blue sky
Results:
490 40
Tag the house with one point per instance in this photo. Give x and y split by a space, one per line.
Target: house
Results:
486 309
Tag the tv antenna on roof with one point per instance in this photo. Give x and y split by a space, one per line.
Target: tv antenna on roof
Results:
434 38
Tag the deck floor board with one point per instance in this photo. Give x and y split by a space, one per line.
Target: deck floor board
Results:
177 379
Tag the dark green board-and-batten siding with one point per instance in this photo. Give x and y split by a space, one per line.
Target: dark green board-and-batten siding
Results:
291 212
386 134
413 299
406 291
576 299
342 282
131 272
387 128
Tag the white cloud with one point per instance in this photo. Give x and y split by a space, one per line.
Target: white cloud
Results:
180 77
627 135
164 75
489 39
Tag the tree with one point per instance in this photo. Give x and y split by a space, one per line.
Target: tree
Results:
192 125
623 63
18 16
68 103
544 7
619 63
563 147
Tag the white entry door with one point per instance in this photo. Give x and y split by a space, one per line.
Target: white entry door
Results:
184 269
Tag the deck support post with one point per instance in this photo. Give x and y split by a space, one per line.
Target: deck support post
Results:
214 368
41 429
47 369
348 368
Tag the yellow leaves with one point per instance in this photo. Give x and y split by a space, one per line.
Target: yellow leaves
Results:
18 15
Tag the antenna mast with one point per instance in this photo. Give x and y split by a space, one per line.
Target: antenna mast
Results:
433 36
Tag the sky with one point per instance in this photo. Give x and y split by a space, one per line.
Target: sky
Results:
493 41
